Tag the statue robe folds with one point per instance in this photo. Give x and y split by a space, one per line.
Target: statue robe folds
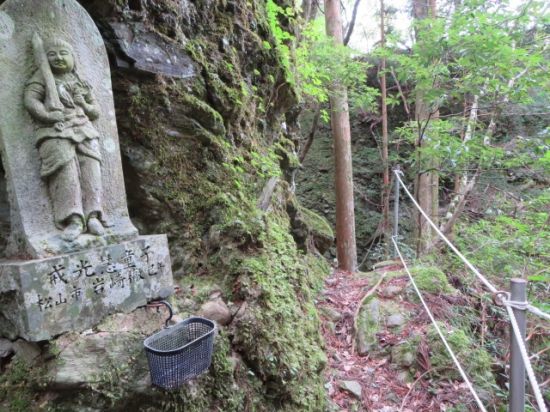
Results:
69 151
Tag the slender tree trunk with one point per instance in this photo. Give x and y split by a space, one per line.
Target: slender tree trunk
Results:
311 135
427 179
463 185
352 22
345 216
386 175
427 192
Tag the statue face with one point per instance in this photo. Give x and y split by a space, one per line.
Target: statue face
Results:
61 59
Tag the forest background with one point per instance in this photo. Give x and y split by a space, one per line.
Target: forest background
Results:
467 101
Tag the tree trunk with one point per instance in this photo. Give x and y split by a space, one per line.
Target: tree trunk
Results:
427 179
386 176
345 216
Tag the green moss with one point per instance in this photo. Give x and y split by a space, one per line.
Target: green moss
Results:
432 280
472 358
289 161
316 223
280 335
319 269
405 352
204 113
368 324
15 389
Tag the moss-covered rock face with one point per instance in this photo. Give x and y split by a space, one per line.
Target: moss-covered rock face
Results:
207 162
432 280
428 279
473 359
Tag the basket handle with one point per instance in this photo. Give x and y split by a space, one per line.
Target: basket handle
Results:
169 310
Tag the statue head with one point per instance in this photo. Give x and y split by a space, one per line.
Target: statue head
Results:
60 56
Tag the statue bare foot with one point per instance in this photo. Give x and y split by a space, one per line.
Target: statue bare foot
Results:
95 227
73 230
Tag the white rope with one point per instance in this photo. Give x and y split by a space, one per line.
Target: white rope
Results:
536 311
454 249
524 355
507 303
526 306
455 360
514 304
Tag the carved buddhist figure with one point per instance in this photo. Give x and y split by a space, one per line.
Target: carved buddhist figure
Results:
62 106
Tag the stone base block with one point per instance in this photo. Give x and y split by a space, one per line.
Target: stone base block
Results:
40 299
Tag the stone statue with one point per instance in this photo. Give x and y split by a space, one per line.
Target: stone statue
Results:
62 106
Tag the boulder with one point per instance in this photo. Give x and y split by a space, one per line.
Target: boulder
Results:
352 387
103 357
331 314
27 350
217 311
6 348
392 291
367 326
394 321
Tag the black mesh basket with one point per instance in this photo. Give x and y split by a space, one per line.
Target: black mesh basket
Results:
180 352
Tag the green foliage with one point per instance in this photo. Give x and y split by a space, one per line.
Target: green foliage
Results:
316 63
253 164
282 37
320 64
14 394
513 245
477 49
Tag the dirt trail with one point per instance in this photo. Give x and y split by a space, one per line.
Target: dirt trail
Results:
381 387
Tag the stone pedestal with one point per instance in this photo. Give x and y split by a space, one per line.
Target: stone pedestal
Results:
47 297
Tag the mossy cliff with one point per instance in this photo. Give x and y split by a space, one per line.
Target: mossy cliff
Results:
208 161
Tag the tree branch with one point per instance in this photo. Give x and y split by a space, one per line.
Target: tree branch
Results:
352 22
311 135
405 104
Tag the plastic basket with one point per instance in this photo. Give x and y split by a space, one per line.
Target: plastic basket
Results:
180 352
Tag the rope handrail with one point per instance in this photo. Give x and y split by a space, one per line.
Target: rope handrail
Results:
455 360
525 306
536 311
489 285
509 304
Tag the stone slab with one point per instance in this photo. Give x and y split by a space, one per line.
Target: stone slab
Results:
151 53
47 297
33 232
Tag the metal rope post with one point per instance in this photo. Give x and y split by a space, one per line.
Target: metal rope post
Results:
516 397
396 210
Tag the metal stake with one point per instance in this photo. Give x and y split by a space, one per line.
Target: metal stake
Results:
397 168
516 397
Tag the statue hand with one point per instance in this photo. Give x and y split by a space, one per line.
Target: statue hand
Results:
79 100
56 116
78 96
